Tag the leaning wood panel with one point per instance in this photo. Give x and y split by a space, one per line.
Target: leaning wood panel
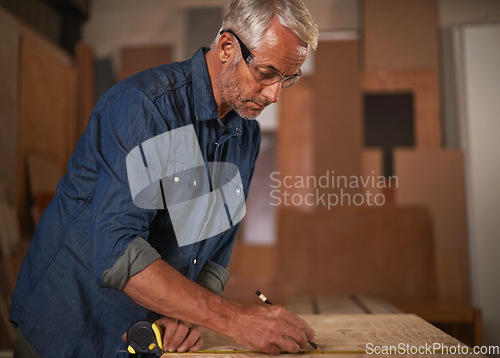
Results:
47 120
435 179
424 85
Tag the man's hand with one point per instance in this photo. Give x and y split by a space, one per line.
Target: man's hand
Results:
271 329
266 328
178 336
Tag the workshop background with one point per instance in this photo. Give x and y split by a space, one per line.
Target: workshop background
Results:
404 89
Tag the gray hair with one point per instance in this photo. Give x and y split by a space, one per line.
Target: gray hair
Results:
249 19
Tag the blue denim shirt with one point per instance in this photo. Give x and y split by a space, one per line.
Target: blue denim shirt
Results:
61 303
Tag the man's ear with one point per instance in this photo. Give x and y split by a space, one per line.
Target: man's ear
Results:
226 47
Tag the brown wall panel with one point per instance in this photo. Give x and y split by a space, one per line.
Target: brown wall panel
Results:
435 179
337 104
400 34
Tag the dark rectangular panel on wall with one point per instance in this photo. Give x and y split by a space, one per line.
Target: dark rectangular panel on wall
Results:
389 123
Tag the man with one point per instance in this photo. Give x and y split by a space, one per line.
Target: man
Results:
105 256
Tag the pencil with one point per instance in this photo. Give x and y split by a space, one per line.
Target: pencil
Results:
266 300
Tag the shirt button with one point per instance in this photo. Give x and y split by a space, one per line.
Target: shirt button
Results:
238 130
238 190
194 182
194 262
176 179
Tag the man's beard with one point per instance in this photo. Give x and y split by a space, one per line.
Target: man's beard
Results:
231 94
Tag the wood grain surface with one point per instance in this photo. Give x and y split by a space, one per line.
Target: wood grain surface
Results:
344 335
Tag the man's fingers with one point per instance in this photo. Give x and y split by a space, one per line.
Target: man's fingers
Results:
189 341
169 327
178 337
288 337
196 347
296 321
273 329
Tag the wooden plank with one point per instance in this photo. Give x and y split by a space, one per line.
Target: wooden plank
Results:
435 179
303 304
376 305
347 335
338 304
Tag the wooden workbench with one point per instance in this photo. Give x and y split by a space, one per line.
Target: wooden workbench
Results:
347 335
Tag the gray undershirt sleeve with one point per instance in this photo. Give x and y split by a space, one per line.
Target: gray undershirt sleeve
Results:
138 255
213 276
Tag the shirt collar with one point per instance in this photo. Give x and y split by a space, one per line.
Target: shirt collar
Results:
204 101
205 106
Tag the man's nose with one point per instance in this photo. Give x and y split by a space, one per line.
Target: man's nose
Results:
272 92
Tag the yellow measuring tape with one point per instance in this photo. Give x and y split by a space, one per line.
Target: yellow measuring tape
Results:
438 351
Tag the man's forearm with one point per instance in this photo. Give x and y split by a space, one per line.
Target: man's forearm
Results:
162 289
271 329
